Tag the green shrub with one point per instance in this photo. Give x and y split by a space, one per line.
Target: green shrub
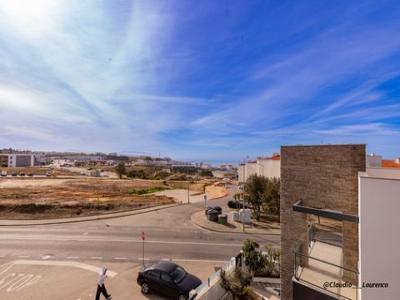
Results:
146 191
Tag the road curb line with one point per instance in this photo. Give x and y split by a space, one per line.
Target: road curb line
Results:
225 231
93 218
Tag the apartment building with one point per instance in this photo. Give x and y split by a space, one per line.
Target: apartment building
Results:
339 225
319 220
17 160
263 166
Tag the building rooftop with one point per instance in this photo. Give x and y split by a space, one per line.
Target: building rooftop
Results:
386 163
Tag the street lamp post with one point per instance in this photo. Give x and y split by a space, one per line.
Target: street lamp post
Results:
188 193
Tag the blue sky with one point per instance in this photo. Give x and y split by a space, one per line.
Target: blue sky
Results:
199 80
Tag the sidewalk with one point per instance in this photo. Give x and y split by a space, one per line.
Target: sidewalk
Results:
200 219
59 280
84 219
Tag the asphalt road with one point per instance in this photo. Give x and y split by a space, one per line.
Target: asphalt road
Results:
169 235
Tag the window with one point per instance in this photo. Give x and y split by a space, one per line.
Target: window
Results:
153 274
165 277
178 274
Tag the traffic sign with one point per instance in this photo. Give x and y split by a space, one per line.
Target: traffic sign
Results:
143 237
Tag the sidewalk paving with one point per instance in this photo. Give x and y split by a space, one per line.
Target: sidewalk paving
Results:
35 281
200 219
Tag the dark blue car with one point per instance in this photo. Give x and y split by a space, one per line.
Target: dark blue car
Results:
167 279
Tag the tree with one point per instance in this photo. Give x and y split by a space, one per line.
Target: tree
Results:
206 173
120 169
273 260
271 197
254 189
237 283
263 194
254 259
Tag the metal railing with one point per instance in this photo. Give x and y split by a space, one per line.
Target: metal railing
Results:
227 267
299 259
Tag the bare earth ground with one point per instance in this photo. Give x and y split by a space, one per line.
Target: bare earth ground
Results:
37 198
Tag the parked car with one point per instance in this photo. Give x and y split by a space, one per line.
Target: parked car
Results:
3 173
167 279
14 174
237 204
30 174
217 208
21 174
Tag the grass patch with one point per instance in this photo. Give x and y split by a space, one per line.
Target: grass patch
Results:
146 191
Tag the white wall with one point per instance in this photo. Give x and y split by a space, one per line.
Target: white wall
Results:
263 167
250 169
391 173
269 168
379 236
242 173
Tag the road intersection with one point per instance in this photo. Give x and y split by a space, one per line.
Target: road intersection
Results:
170 235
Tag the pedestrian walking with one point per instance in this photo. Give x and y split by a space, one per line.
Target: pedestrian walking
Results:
101 289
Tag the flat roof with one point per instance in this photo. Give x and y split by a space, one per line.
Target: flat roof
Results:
381 173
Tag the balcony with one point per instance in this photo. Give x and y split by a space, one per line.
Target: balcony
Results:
322 264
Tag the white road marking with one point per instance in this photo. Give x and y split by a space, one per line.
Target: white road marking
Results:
46 257
108 240
13 281
96 257
64 264
23 256
120 258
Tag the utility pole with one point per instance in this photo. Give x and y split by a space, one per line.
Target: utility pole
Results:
188 194
143 238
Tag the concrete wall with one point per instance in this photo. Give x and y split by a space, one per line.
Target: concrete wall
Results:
269 168
242 173
18 160
324 176
24 160
390 173
250 169
379 236
263 167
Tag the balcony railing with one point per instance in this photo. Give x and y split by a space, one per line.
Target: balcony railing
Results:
320 274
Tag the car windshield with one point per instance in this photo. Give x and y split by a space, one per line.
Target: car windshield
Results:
178 274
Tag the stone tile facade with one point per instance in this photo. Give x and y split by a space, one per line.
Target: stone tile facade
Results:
322 176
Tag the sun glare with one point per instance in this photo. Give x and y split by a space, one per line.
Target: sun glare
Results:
30 16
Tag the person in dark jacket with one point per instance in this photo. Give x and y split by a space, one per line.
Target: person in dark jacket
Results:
101 289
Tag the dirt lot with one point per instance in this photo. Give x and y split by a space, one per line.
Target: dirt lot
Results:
40 171
37 198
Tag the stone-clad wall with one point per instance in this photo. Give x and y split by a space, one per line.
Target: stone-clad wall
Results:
324 176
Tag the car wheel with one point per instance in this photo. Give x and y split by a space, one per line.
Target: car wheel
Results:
145 288
182 297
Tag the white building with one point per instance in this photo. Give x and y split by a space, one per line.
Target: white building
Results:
379 238
17 160
264 166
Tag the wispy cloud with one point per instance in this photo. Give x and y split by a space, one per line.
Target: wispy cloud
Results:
197 80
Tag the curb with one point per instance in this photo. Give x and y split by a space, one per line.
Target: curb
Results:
235 232
89 218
